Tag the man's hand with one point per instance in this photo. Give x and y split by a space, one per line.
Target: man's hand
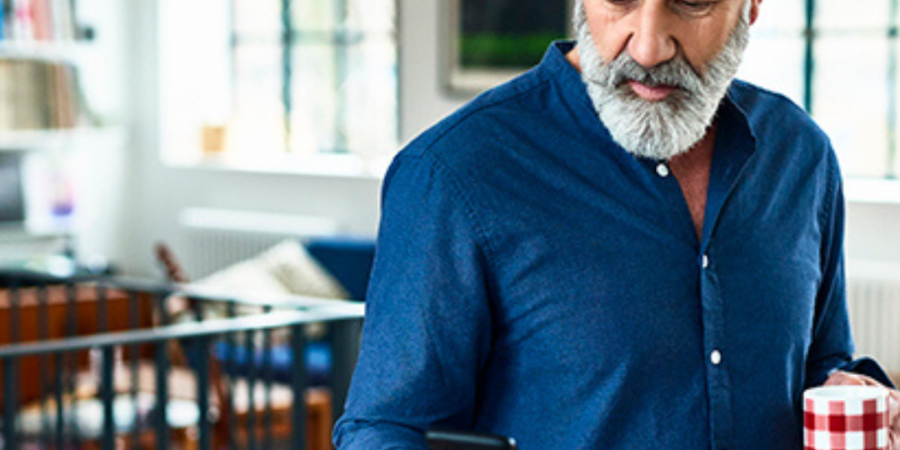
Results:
851 379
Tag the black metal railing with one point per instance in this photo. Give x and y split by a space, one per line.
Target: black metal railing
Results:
101 362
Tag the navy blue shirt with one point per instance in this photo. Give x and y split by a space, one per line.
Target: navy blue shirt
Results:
535 280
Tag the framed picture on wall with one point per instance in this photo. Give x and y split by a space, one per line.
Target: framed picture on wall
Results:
487 42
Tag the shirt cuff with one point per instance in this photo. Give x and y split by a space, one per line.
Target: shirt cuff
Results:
868 367
352 434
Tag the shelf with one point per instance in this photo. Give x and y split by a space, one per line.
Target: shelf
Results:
21 243
38 140
337 165
45 50
12 233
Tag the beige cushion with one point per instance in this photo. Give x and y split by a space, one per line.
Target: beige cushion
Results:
285 268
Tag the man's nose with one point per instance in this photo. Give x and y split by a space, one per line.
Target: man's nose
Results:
652 42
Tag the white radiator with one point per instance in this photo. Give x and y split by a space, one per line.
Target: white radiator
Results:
873 300
211 239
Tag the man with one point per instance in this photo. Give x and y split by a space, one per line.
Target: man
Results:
668 276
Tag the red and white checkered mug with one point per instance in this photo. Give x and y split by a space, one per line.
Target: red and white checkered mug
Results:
845 418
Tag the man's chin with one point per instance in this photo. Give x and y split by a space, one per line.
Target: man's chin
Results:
650 129
662 151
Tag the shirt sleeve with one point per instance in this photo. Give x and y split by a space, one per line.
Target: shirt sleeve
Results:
428 323
832 344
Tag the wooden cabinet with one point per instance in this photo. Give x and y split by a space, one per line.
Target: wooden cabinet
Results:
49 315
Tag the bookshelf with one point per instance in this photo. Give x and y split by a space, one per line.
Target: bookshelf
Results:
40 20
46 124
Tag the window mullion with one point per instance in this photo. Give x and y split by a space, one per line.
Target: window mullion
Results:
287 40
341 65
891 169
809 62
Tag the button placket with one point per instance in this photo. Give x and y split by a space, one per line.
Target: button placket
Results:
717 372
662 170
715 357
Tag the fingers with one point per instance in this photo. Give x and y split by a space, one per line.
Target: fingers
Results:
870 381
840 378
894 419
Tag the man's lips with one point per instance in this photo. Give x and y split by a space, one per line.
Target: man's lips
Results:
651 93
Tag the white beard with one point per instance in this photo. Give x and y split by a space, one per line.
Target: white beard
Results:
668 127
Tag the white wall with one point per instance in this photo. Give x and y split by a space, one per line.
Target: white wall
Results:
157 193
422 101
873 232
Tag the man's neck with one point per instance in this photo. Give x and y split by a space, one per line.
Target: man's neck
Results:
574 58
692 171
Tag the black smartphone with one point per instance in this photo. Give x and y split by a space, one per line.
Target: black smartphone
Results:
464 440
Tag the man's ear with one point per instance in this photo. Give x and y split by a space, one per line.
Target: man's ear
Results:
754 10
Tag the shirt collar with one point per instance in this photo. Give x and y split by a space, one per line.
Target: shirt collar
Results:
557 69
734 147
735 137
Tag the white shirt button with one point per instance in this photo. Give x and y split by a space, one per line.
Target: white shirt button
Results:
662 170
715 357
704 261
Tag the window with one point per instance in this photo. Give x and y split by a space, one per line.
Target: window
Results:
838 59
278 83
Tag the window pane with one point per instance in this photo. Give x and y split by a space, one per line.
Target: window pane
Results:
775 56
343 69
852 14
355 15
345 98
371 15
257 122
258 19
850 102
896 159
344 77
370 91
314 114
195 76
775 63
786 15
894 152
316 15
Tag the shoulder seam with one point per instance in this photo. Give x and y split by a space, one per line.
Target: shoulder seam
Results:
458 121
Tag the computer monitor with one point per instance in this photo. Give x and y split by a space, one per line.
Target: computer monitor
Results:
12 204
